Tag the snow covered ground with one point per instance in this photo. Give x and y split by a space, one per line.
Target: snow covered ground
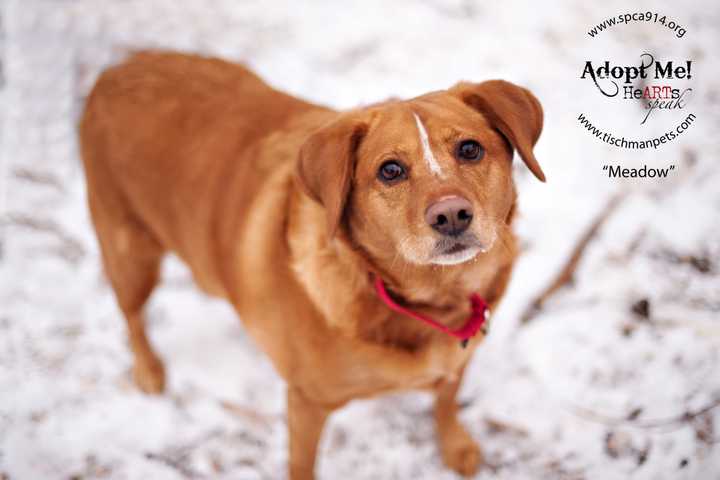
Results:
613 379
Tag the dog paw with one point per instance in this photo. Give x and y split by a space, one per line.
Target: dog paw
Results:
461 453
149 375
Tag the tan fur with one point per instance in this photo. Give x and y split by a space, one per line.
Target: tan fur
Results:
274 204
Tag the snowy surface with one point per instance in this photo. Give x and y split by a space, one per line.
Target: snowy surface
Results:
587 390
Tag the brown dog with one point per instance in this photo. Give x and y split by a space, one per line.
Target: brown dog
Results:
293 211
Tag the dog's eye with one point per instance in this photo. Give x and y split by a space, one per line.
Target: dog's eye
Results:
391 171
470 151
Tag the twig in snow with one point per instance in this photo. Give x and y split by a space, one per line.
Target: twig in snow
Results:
70 248
248 413
175 462
675 421
566 274
178 457
36 176
498 426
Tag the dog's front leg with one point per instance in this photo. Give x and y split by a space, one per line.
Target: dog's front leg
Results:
458 449
305 424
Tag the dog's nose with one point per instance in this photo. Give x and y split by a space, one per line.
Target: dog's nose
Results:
450 215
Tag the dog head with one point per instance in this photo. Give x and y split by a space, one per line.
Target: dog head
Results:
428 180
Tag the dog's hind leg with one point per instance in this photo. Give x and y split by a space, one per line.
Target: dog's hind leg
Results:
131 256
458 449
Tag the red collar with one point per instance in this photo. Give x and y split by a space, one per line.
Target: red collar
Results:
476 321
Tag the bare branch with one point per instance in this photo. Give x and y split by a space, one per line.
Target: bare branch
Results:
70 248
36 176
674 421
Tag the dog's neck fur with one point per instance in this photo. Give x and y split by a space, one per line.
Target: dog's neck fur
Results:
441 292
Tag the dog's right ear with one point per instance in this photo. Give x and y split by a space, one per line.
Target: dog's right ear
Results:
326 164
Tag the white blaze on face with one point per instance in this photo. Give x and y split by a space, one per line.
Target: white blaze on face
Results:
432 163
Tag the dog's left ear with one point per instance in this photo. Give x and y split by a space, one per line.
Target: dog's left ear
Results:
326 164
513 110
